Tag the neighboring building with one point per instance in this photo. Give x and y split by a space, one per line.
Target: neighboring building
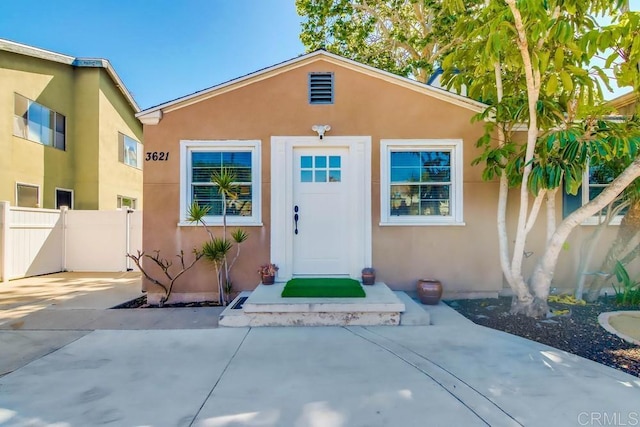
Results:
68 132
390 184
626 105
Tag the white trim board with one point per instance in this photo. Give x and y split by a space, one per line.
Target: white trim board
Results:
282 198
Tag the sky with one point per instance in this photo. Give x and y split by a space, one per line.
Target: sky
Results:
161 49
165 49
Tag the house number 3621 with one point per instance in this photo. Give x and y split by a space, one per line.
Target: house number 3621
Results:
157 156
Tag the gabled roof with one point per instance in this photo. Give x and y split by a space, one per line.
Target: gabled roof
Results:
153 115
47 55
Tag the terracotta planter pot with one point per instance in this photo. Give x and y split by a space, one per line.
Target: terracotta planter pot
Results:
268 280
368 276
429 291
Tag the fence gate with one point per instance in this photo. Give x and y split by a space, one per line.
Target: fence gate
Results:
42 241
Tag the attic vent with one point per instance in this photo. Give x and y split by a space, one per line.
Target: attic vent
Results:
320 88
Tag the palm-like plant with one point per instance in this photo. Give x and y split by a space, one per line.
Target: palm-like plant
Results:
217 249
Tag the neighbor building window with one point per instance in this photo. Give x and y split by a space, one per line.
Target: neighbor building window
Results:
320 88
64 198
129 151
27 196
126 202
421 182
38 123
201 159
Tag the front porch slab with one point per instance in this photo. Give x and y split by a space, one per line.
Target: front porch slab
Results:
266 307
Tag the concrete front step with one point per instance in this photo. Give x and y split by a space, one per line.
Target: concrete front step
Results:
266 307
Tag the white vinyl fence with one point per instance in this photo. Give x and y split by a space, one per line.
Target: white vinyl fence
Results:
41 241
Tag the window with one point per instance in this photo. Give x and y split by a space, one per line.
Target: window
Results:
320 169
129 151
39 124
320 88
126 202
27 196
200 159
421 182
64 198
595 180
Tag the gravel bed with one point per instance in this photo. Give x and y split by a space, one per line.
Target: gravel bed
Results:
577 331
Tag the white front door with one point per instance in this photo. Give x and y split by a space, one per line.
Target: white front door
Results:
321 213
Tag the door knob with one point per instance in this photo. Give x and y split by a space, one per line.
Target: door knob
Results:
296 217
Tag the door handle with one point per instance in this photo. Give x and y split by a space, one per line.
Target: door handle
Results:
296 217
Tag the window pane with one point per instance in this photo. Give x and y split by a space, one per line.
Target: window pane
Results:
405 200
204 164
27 196
48 118
35 121
321 176
405 158
130 151
405 174
21 105
206 159
60 139
334 176
208 196
334 161
435 158
63 198
234 159
305 162
321 162
306 176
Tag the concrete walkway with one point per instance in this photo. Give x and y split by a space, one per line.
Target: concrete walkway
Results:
448 374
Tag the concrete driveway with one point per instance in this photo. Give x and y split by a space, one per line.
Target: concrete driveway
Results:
448 374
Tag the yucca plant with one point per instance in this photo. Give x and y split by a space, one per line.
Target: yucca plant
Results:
217 249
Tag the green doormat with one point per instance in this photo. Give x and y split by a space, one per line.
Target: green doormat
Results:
323 288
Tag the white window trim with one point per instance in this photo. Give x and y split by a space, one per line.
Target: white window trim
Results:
187 146
594 219
55 198
453 145
119 198
28 185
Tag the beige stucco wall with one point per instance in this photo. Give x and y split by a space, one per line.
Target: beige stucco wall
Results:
278 106
116 116
24 161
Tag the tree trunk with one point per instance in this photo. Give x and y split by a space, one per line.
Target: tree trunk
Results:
540 282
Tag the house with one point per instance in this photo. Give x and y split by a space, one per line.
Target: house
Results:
69 135
340 166
626 104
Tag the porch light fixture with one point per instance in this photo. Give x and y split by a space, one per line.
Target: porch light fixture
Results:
321 129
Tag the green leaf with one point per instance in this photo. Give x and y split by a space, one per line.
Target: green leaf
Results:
552 85
567 83
558 59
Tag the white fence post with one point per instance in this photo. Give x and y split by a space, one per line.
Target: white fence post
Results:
64 211
4 244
